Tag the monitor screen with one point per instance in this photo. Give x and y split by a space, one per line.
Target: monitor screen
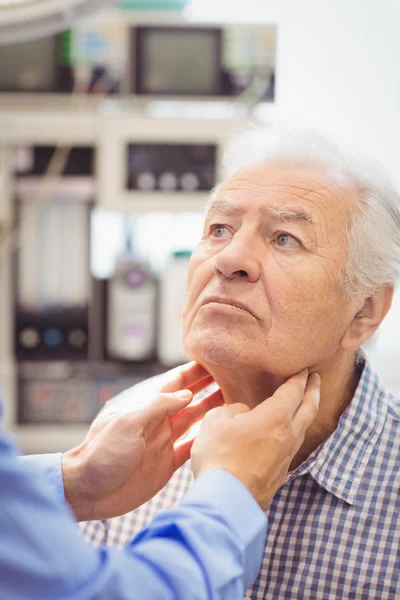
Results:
174 60
29 67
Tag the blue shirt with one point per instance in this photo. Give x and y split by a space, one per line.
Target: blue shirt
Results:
334 526
209 547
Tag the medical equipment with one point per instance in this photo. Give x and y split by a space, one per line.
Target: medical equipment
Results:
148 163
212 60
52 261
170 349
142 56
131 311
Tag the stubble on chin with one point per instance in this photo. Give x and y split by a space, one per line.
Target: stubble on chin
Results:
211 349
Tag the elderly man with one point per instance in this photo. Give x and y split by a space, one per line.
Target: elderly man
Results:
296 268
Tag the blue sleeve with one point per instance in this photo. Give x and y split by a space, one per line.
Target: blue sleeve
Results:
51 465
209 547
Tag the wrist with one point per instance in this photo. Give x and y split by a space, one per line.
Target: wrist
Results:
247 477
74 488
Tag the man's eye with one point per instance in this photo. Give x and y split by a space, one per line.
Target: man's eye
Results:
220 231
284 240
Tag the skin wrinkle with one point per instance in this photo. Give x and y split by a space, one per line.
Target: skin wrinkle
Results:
230 209
292 193
302 318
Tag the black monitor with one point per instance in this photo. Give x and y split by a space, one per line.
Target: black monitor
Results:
46 66
177 60
29 66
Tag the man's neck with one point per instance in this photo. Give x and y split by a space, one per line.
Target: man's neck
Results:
339 380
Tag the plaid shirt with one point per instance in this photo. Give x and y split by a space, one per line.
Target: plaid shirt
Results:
334 526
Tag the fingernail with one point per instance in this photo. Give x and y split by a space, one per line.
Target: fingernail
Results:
317 378
185 394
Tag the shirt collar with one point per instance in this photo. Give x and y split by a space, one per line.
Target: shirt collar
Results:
338 464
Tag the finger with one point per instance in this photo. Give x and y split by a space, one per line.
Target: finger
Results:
287 397
183 376
236 409
308 409
183 421
199 385
182 452
166 405
226 411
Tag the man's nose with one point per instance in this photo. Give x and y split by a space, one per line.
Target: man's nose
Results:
238 260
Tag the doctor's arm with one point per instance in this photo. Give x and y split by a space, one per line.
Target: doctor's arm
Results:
199 550
210 546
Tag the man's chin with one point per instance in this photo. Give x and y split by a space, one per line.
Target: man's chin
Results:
215 352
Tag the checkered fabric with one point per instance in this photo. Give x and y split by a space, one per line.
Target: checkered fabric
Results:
334 526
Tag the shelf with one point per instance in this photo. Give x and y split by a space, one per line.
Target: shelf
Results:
45 126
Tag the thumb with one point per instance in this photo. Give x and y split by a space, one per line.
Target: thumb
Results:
167 404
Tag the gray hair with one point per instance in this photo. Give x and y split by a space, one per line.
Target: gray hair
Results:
373 231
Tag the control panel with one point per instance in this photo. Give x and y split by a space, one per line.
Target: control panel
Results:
171 167
150 163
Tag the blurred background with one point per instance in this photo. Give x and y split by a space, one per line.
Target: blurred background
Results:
111 130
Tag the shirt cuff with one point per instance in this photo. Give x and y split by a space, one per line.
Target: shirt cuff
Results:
52 466
239 510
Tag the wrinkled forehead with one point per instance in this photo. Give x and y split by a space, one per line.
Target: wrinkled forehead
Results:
272 186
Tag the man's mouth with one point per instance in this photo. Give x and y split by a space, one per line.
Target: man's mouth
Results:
227 302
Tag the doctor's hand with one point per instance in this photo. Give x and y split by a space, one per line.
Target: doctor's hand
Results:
257 446
130 453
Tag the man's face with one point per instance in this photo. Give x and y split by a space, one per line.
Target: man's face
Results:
263 284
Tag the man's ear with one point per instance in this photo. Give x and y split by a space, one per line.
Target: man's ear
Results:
368 318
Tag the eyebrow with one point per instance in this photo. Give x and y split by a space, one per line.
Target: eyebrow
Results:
282 214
